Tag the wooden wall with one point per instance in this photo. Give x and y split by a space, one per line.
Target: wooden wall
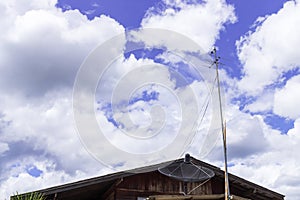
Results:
153 183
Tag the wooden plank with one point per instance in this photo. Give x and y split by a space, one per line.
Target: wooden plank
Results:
111 189
194 197
191 197
234 197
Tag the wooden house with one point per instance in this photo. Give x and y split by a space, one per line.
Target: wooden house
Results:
149 183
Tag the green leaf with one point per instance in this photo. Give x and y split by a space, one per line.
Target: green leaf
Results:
28 196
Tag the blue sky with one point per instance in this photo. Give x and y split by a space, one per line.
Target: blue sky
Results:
130 14
45 43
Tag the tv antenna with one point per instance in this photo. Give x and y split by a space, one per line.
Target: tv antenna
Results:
223 124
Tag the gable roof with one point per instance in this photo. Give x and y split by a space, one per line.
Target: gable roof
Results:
99 185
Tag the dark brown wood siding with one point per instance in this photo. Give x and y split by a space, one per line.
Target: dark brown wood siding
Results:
154 183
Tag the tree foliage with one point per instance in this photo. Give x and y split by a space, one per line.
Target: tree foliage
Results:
28 196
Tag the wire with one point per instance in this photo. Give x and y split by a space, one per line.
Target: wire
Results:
195 188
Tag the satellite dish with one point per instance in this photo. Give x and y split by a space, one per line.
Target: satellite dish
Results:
186 171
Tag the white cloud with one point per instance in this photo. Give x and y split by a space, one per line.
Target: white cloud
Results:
245 136
200 22
50 43
3 147
263 103
269 58
39 133
41 49
118 84
277 167
270 50
286 100
20 181
257 152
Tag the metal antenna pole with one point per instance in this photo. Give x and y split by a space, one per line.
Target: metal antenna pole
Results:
227 190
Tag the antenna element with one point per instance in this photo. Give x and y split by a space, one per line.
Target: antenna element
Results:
223 123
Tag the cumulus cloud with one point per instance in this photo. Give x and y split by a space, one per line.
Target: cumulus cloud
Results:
200 22
277 166
18 178
286 99
120 87
268 52
44 133
262 104
51 44
270 66
41 50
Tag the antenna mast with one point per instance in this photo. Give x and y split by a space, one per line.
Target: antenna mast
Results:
223 123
